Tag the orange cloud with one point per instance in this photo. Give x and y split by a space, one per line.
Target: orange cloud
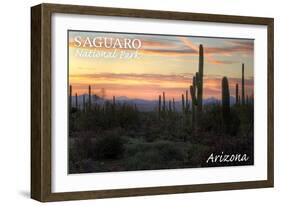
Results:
149 86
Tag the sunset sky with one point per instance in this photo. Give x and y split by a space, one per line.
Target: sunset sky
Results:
164 63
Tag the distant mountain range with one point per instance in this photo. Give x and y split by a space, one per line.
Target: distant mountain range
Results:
142 104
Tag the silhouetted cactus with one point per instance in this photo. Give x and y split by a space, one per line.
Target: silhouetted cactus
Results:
76 101
113 106
182 103
200 78
84 103
194 101
225 101
113 100
237 94
196 89
174 105
243 85
90 94
164 102
170 106
159 106
186 101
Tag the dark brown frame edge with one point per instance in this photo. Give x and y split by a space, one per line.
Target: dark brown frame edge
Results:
41 101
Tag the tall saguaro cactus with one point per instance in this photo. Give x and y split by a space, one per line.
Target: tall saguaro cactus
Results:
159 106
225 101
182 103
174 105
164 102
200 78
90 94
237 94
186 101
196 89
193 101
113 100
170 106
113 106
84 103
76 100
243 85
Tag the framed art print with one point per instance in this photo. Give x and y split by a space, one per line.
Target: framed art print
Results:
137 102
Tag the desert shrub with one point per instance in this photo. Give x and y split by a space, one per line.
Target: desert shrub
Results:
155 155
169 151
152 132
108 146
78 152
145 160
79 149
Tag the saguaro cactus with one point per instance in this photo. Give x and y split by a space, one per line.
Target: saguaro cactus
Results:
194 101
164 102
113 100
225 101
159 105
113 107
186 101
182 103
170 106
237 93
76 100
90 94
243 85
196 89
174 105
200 78
84 103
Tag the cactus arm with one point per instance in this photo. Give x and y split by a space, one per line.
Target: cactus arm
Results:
193 97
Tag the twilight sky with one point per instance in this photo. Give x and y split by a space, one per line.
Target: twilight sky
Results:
163 63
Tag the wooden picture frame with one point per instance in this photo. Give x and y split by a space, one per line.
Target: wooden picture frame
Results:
41 117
